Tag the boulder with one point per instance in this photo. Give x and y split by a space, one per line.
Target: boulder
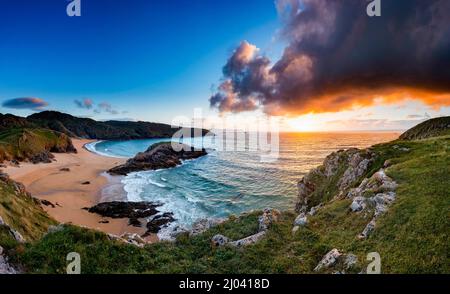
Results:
252 239
219 240
329 260
155 224
358 204
301 220
268 217
133 239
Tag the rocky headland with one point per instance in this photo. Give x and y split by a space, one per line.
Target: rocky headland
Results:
158 156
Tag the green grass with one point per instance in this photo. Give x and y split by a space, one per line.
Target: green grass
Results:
22 212
23 143
412 237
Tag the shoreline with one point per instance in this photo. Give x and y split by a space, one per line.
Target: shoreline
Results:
65 189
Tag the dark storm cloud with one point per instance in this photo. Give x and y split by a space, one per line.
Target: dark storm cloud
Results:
85 103
337 57
25 103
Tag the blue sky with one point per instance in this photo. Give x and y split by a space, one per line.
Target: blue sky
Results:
155 60
149 60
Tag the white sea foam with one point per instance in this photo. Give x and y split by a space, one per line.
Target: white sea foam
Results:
91 147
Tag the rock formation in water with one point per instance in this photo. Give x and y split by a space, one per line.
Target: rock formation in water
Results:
158 156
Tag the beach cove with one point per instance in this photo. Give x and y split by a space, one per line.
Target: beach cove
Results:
64 183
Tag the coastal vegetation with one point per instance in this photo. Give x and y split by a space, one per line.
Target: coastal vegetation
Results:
33 144
411 236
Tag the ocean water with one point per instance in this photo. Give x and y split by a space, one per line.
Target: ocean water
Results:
228 182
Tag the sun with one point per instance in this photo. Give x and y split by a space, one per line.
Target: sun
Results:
304 123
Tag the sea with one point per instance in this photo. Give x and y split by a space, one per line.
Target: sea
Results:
227 182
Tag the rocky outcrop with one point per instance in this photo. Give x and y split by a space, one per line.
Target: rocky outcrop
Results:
377 193
328 260
157 222
131 210
265 221
203 225
135 211
42 157
158 156
339 171
337 262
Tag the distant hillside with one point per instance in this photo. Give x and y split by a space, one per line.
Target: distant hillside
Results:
431 128
8 121
109 130
32 144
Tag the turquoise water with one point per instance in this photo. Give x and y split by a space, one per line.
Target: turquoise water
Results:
225 182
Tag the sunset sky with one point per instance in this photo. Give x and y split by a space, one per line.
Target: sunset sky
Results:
317 65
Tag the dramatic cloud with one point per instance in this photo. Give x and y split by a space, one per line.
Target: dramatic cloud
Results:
86 103
337 57
25 103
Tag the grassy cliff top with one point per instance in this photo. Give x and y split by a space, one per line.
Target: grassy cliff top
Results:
431 128
31 143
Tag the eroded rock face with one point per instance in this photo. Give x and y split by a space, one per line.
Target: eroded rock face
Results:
349 165
158 156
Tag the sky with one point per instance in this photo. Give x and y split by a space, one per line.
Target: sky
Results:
156 60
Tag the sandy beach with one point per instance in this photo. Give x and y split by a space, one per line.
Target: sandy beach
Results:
66 190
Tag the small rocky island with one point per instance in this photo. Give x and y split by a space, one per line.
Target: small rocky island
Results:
158 156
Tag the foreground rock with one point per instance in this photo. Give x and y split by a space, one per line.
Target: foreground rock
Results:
337 262
377 192
265 221
348 166
158 156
